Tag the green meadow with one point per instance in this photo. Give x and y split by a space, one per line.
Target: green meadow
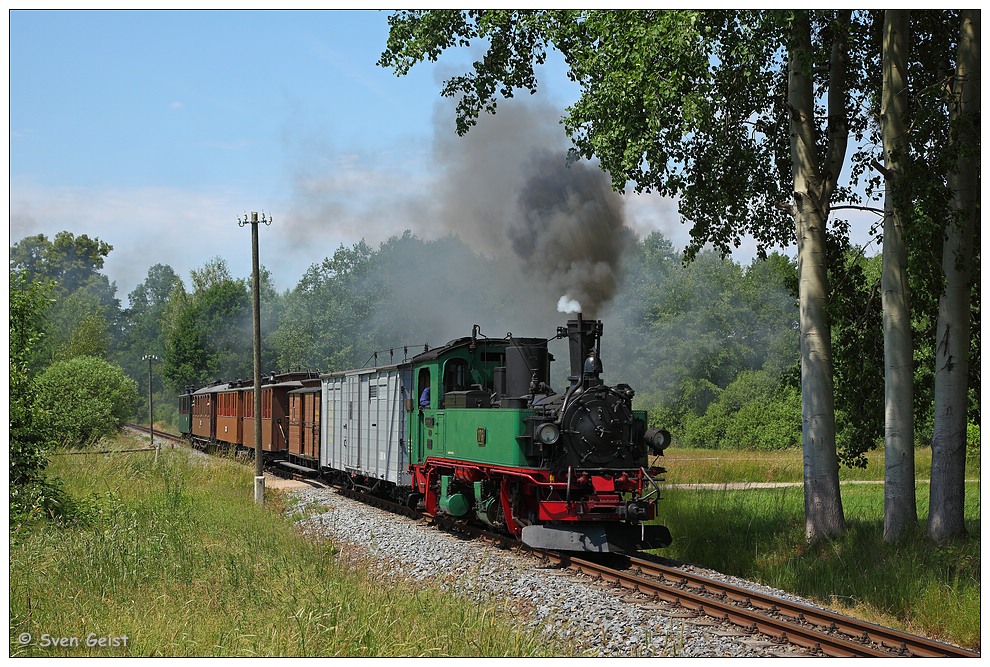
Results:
759 534
176 557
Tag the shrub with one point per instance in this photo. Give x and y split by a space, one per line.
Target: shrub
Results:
28 491
972 441
83 399
768 421
754 412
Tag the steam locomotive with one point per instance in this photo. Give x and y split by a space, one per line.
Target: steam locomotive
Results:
471 429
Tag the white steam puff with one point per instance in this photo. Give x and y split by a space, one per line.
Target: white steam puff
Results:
568 305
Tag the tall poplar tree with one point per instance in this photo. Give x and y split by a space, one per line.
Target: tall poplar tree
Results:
900 513
945 518
815 168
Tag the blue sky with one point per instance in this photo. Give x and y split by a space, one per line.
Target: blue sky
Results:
155 130
199 98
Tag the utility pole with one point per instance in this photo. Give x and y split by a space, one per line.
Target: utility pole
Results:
259 468
151 405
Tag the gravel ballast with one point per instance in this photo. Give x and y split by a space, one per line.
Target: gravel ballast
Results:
572 609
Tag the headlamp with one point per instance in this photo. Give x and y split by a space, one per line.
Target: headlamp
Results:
548 433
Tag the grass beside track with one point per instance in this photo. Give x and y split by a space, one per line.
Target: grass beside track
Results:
759 534
176 556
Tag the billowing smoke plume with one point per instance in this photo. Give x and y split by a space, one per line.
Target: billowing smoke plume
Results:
569 232
547 228
510 193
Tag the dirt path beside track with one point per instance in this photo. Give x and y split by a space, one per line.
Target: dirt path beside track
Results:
743 486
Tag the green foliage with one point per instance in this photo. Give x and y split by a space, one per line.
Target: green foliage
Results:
325 314
69 260
208 333
85 317
149 302
684 333
145 335
29 491
79 326
855 313
363 300
973 441
517 39
753 412
83 399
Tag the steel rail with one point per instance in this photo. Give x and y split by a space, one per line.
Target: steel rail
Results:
799 624
146 429
906 643
788 622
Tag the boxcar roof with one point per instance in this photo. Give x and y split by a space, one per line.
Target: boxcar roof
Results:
362 371
212 389
307 390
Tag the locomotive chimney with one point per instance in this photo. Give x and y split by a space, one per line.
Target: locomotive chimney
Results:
583 338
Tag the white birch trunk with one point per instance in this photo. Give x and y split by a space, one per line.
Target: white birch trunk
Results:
822 502
900 513
945 518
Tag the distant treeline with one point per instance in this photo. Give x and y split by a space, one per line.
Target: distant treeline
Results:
711 346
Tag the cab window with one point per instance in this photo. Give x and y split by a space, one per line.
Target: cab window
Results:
423 397
455 375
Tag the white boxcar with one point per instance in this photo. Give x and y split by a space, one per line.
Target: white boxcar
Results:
363 428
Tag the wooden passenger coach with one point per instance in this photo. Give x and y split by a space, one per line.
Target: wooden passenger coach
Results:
274 410
230 410
304 422
204 413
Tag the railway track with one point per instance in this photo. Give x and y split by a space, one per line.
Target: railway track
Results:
811 628
164 435
784 621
